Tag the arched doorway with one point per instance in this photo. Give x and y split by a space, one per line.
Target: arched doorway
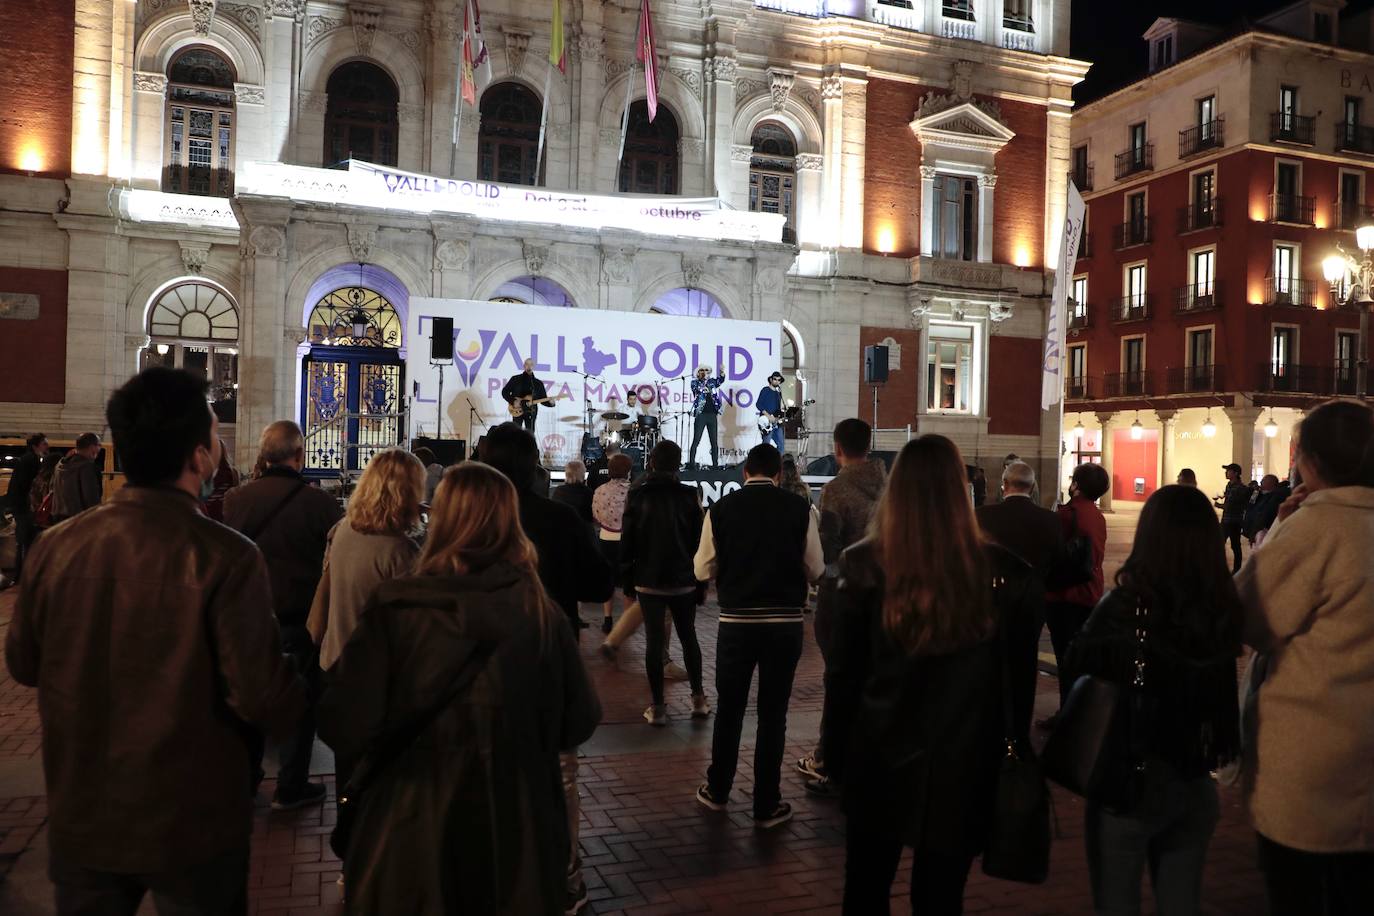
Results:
508 139
353 381
773 175
360 120
195 326
533 291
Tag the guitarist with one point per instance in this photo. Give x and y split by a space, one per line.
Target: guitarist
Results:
525 386
769 403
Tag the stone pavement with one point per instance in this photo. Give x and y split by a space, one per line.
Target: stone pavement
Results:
647 845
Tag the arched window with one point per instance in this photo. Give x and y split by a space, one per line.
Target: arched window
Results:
199 125
773 175
360 120
694 303
354 317
533 291
195 326
650 164
793 387
508 141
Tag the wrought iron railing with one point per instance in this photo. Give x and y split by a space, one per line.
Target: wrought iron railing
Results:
1287 127
1082 176
1131 308
1286 291
1127 384
1200 214
1197 297
1136 159
1138 231
1195 379
1295 378
1078 388
1354 138
1200 138
1292 208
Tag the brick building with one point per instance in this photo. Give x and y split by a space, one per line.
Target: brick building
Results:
166 193
1216 184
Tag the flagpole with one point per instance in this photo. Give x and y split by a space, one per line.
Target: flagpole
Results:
543 123
625 118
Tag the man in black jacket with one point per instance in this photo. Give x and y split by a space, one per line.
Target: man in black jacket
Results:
525 385
571 569
1031 532
762 546
290 521
21 482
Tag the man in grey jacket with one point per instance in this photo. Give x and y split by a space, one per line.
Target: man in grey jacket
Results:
76 480
847 505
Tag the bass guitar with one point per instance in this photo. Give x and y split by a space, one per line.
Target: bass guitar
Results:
517 407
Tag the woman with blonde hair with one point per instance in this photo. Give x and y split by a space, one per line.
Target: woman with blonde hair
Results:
469 816
913 712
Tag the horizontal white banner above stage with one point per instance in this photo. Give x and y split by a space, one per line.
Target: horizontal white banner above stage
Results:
369 185
588 359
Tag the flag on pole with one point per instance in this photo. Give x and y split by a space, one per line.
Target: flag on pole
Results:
476 62
558 48
645 54
1052 366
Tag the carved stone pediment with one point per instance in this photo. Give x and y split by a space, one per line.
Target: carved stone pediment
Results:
966 124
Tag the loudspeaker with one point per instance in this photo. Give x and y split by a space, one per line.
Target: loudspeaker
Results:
441 340
446 451
885 457
875 364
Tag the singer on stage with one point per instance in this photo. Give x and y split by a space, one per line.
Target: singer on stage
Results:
705 413
529 391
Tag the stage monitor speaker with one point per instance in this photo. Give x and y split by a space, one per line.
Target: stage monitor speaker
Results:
875 364
885 457
824 466
446 451
441 339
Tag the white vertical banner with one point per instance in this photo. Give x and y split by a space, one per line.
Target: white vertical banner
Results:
1052 365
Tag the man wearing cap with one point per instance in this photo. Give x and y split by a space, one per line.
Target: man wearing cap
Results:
1233 504
769 403
705 413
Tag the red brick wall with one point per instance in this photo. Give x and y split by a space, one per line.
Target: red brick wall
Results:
1019 203
892 177
1014 386
896 398
36 44
33 354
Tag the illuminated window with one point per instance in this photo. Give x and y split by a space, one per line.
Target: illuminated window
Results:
195 326
949 369
360 120
508 140
199 125
773 175
354 316
955 218
650 164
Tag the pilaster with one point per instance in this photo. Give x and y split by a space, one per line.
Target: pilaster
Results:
266 355
720 117
1243 421
1168 420
1108 423
93 48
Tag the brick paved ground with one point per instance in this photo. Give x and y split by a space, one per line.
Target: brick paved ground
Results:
647 846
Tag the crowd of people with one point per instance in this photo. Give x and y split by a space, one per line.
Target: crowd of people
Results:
429 633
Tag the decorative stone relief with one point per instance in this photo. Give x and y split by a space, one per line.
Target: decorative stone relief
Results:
287 9
245 94
740 153
610 136
894 352
561 132
832 87
987 181
590 47
452 254
407 112
617 263
250 17
319 26
536 256
928 171
202 11
365 18
317 102
150 82
692 271
934 103
722 69
360 241
811 97
690 78
266 241
962 81
779 85
18 306
149 8
810 161
615 67
747 88
689 147
517 43
134 341
193 256
407 37
1000 311
294 336
446 25
769 280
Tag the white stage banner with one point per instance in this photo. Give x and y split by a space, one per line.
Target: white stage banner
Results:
591 360
1052 374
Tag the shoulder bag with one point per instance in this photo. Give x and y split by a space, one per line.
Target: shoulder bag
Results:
1018 842
1075 564
386 750
253 532
1098 749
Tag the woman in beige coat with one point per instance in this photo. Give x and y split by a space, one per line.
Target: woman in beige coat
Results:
1309 597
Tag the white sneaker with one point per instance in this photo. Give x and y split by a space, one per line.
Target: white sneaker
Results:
656 716
674 672
700 708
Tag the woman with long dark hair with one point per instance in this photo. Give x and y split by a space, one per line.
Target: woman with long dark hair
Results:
1309 605
1175 607
913 687
470 816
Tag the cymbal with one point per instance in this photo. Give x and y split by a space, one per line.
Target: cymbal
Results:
615 415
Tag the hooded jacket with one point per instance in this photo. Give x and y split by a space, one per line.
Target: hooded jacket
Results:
1309 603
470 818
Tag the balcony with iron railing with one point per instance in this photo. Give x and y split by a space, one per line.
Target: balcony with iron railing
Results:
1127 384
1200 138
1295 378
1287 127
1292 208
1136 159
1133 232
1352 216
1082 176
1078 388
1131 308
1290 293
1343 382
1197 297
1200 214
1354 138
1195 380
1078 315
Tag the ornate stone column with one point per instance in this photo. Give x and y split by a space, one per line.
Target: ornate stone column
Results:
1243 437
1168 419
809 216
266 353
150 96
444 26
282 36
720 117
986 214
1108 422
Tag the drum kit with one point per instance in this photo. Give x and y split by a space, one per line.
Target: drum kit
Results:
630 431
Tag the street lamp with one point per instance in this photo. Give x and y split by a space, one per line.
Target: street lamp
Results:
1137 431
1078 429
1271 429
1337 266
1209 429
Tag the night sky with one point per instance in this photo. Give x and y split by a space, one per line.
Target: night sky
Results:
1108 33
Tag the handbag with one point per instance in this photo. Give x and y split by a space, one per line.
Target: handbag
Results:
1075 563
1017 847
389 748
1098 748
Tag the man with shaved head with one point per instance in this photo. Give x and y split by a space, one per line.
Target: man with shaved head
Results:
290 521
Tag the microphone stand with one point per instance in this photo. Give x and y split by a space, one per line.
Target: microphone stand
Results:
473 415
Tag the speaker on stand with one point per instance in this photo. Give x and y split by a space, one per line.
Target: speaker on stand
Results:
875 372
440 354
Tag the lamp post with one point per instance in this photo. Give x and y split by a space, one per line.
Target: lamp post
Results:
1337 266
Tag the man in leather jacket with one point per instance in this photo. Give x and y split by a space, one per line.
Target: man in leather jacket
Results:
147 629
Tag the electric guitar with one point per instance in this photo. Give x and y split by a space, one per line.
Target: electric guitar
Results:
517 407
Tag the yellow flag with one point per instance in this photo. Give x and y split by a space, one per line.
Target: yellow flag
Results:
558 50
